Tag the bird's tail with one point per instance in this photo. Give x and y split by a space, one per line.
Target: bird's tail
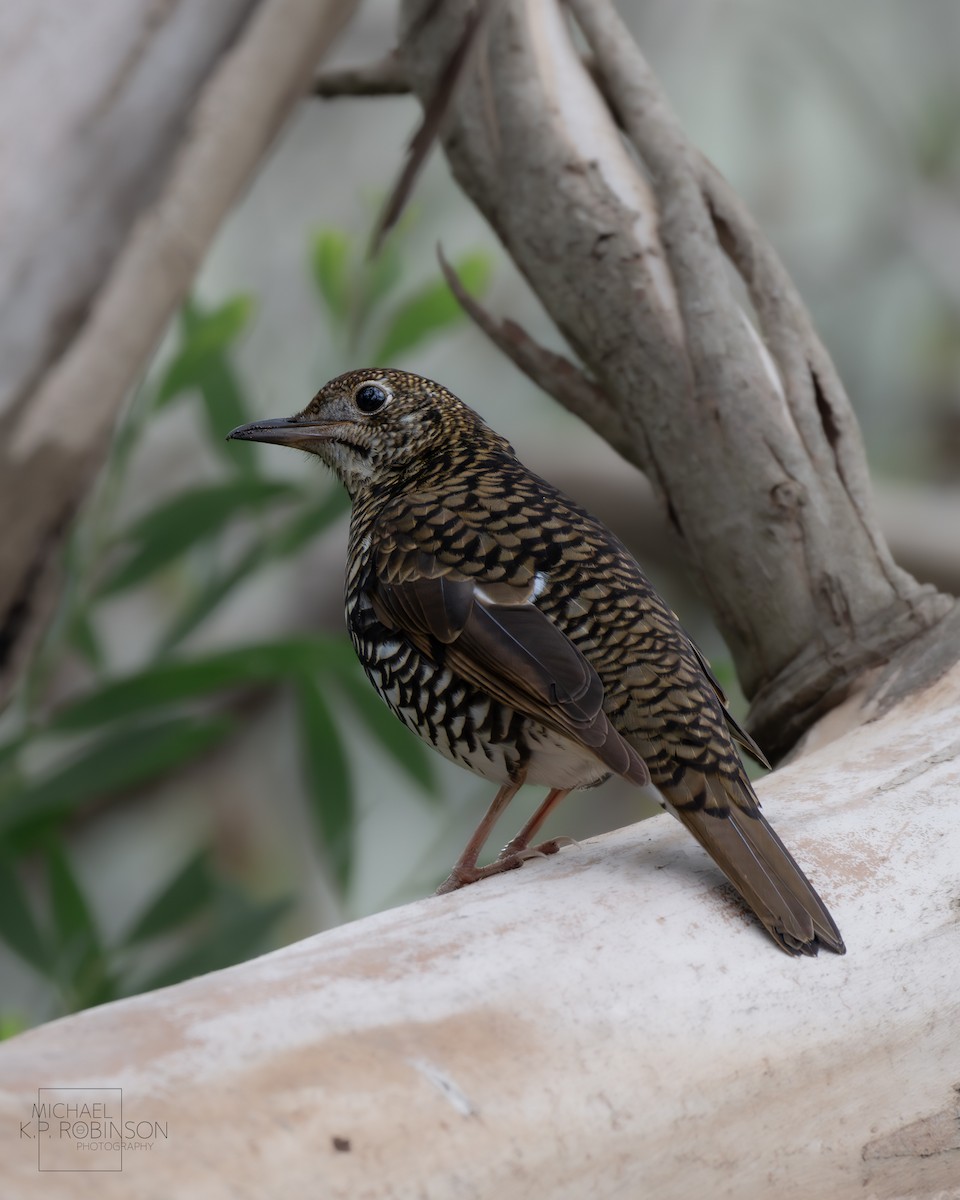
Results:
724 816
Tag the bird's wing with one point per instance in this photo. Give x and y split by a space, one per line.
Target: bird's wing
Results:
491 634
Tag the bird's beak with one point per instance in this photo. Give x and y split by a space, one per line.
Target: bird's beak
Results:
283 431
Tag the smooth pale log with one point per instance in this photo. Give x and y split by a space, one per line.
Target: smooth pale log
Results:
604 1023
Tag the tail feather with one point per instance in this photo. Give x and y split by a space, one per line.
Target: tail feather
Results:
733 831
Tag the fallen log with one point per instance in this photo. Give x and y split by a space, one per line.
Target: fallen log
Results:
607 1022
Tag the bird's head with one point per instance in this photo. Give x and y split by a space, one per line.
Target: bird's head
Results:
371 423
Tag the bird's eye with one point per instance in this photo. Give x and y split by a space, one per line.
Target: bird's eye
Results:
370 398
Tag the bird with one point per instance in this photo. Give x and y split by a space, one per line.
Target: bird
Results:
514 633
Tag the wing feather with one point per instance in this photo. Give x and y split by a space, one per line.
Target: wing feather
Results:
511 649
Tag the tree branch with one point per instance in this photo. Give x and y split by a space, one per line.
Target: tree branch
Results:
555 374
385 77
605 1022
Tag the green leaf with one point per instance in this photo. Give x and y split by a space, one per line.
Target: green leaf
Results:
203 365
225 407
383 274
191 517
123 759
330 255
80 959
182 898
211 595
284 540
83 638
240 932
72 919
377 279
9 751
174 681
430 309
327 776
12 1023
205 335
403 746
309 524
18 928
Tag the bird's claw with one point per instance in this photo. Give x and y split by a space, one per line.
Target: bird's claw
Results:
462 876
511 850
509 859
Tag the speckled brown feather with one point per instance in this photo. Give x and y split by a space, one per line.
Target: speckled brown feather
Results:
486 606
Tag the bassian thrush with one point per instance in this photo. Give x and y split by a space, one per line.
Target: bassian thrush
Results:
515 634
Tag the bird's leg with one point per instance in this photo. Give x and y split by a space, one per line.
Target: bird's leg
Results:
519 846
515 852
465 869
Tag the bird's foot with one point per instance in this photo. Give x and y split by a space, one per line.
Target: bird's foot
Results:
462 876
512 856
516 850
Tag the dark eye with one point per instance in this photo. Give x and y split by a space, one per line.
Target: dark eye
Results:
370 397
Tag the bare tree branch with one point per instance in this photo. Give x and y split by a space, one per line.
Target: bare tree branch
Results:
385 77
434 112
551 371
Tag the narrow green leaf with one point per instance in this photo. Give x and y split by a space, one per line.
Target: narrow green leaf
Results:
285 540
18 927
403 746
330 255
123 759
327 777
182 898
241 932
383 274
211 595
430 309
83 638
205 334
174 681
225 407
203 365
9 752
378 278
309 524
189 518
72 918
80 958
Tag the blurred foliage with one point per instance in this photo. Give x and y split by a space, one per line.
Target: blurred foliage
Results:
63 761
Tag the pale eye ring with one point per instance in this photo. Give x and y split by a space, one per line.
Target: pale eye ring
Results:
370 398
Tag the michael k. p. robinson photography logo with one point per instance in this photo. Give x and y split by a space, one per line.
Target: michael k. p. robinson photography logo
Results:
84 1129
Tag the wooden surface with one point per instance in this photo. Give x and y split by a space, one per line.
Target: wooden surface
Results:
604 1023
